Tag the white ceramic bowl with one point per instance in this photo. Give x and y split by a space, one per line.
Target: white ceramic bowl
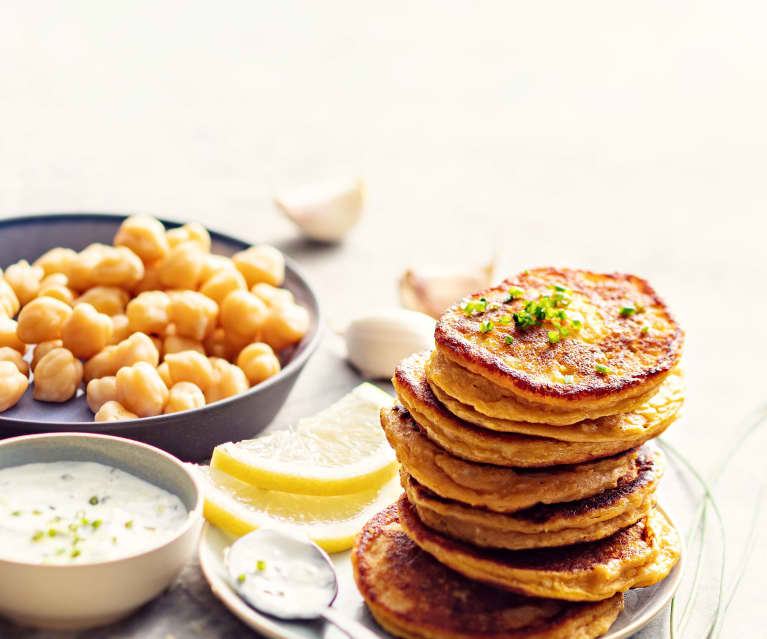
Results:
92 594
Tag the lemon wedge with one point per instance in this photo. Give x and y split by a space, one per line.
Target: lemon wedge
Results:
331 522
339 451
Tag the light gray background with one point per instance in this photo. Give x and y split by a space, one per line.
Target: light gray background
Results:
611 135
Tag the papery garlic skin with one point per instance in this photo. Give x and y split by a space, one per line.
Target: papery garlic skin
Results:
325 211
377 342
433 292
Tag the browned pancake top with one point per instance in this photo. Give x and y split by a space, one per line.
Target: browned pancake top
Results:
578 557
535 366
394 573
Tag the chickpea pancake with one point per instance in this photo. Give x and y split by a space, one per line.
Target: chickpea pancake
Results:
637 556
411 595
465 433
544 525
498 488
558 346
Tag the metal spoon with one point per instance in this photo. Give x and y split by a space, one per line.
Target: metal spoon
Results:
288 577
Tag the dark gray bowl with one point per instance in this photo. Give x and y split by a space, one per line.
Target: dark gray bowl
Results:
190 435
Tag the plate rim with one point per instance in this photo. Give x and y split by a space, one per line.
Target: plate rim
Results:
266 626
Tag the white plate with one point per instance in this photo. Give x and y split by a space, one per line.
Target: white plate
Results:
641 605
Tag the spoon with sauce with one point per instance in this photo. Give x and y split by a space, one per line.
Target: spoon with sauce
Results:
288 577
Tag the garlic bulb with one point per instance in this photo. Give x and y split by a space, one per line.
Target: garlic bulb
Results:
433 292
376 343
325 211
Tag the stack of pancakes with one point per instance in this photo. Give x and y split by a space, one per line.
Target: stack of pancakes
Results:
529 504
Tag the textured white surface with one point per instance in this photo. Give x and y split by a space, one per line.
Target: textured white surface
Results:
617 136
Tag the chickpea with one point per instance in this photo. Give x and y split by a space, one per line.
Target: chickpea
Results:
152 278
261 264
184 396
216 345
193 314
100 391
9 303
235 343
145 236
190 366
8 354
55 286
109 300
220 284
215 263
182 268
57 260
24 280
86 331
42 349
13 385
189 233
285 326
177 344
57 376
271 295
141 390
258 362
136 348
163 370
118 266
120 329
41 320
81 269
8 336
228 380
243 313
113 412
148 313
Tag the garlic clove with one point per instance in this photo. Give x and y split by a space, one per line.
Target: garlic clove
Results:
432 292
377 342
325 211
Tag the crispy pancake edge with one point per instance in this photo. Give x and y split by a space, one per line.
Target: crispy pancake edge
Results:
428 620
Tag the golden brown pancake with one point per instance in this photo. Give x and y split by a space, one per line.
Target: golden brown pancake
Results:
498 488
411 595
637 556
533 379
525 444
544 525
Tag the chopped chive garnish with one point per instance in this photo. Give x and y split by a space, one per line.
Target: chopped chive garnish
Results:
260 565
114 540
241 578
16 513
38 535
93 500
75 553
508 339
52 532
36 512
96 524
577 324
486 327
602 369
554 337
628 311
645 329
514 293
129 524
560 288
505 319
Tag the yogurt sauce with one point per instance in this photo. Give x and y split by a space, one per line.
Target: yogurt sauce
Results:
78 512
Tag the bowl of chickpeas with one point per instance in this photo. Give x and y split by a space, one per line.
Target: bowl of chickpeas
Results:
162 332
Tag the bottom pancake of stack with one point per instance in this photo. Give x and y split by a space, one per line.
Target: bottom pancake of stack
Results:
412 595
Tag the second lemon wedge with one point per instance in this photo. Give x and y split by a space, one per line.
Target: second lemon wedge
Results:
331 522
339 451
